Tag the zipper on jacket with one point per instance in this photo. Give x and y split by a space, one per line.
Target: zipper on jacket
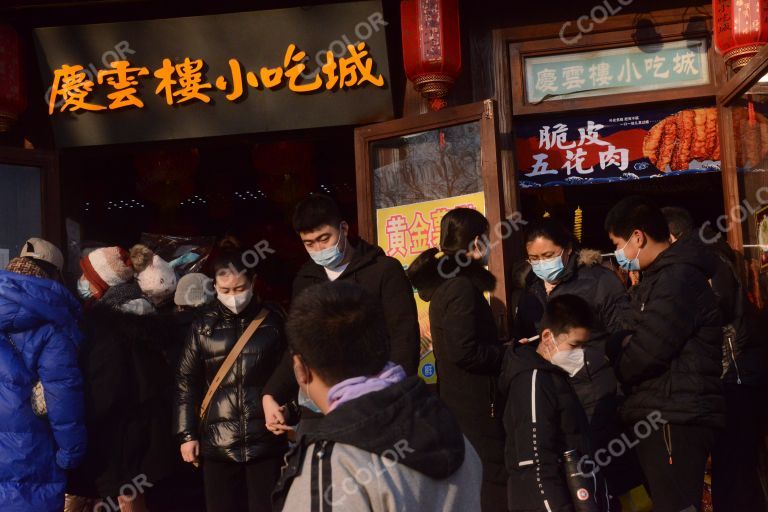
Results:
733 358
239 330
492 397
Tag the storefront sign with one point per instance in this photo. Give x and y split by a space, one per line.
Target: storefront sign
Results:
184 81
247 72
406 231
610 147
618 70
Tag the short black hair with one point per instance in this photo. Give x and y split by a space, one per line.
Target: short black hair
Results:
566 312
315 211
339 330
550 229
679 220
231 260
637 212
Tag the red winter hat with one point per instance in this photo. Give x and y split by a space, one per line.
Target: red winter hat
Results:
105 267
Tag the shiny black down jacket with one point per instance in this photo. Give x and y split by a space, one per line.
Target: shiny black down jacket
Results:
233 429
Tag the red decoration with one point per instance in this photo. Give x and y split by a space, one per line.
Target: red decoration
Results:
431 46
13 99
741 29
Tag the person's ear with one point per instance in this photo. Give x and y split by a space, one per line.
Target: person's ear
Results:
548 337
300 370
643 239
344 227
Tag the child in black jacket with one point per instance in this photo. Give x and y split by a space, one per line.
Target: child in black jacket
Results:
543 417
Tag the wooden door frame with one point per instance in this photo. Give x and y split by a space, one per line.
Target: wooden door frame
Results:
727 94
483 112
610 32
50 190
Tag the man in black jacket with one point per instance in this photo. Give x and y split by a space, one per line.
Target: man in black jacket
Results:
670 363
325 235
735 456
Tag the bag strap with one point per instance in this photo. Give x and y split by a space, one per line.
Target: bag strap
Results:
230 359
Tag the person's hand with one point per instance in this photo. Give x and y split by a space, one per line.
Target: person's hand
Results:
279 428
190 451
274 414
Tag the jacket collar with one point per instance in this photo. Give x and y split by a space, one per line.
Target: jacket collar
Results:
365 255
577 260
421 432
431 279
216 313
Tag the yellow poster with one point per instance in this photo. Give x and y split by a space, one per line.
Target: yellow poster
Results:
406 231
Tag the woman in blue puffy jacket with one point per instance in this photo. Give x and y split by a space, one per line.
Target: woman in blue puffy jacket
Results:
38 342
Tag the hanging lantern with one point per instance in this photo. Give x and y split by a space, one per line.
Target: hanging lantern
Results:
431 46
741 29
13 98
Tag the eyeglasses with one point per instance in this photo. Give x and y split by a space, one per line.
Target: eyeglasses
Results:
544 257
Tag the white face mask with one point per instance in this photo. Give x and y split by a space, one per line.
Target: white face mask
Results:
238 302
572 361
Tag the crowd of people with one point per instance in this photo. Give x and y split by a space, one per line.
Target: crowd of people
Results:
139 390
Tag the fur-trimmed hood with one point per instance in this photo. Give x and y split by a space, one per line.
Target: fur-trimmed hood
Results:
588 257
523 277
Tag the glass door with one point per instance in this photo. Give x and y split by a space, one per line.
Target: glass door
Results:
411 171
29 199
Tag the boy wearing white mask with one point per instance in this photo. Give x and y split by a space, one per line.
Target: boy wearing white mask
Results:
240 459
543 417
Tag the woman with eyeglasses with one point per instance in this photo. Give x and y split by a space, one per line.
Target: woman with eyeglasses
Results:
558 268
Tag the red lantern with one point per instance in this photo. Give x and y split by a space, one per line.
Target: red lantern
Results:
741 29
13 98
431 46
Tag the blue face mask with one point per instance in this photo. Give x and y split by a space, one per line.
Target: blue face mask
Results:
549 270
304 401
84 289
626 263
332 256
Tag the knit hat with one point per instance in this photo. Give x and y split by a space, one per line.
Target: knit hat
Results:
43 250
105 267
27 267
194 290
154 275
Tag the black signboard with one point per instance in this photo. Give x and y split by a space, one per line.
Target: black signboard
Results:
204 76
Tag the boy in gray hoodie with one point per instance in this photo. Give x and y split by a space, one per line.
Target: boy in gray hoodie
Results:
385 442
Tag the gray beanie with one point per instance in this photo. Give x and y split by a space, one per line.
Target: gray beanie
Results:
194 290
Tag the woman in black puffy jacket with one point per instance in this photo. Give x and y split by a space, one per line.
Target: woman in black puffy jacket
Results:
240 458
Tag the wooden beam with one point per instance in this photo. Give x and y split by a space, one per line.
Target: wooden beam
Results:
744 78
